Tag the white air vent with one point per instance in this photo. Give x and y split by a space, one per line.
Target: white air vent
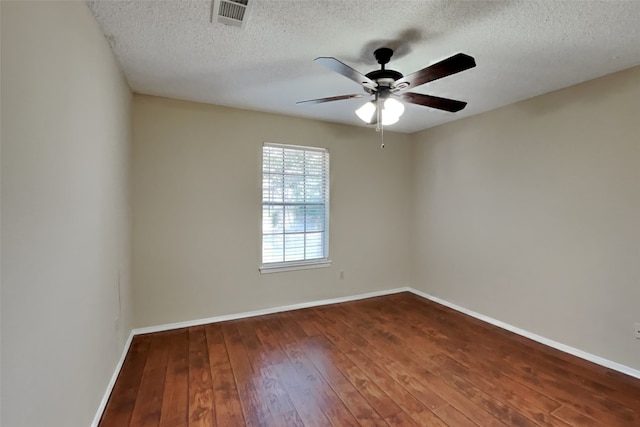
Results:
232 12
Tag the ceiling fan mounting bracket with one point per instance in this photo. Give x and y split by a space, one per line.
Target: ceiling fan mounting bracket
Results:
383 55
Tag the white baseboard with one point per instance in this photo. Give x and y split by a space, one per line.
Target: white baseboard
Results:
166 327
216 319
542 340
112 382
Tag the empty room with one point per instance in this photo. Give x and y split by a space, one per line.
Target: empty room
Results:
320 213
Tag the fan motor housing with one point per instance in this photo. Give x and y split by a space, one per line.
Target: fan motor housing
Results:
384 74
385 80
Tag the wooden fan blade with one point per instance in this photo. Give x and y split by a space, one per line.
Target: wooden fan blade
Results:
445 104
333 64
444 68
329 99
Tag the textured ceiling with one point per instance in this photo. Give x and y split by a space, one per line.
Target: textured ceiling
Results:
522 49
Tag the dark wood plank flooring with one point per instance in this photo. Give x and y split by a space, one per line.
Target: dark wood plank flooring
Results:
397 360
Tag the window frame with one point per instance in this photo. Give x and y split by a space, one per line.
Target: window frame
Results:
325 261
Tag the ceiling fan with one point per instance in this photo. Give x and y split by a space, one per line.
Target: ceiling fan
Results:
388 86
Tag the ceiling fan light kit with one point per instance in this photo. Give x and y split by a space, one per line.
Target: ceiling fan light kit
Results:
390 111
366 112
389 86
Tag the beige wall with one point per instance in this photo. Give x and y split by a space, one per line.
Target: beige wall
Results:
65 214
197 211
530 214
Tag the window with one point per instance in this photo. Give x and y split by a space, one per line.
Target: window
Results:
295 207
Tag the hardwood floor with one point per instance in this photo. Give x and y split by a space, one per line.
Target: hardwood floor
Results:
396 360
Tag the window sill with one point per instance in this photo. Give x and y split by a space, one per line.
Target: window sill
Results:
278 268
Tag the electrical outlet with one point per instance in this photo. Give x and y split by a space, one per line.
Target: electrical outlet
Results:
342 275
637 330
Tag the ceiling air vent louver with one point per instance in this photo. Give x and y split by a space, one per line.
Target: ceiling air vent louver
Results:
232 12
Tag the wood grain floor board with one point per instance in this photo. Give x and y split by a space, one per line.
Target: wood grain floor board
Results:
424 369
397 360
327 353
407 372
148 406
175 399
415 408
200 402
528 363
335 410
543 356
573 417
352 397
256 413
534 406
228 408
301 395
453 417
495 386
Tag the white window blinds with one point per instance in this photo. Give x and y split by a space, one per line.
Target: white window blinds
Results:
295 205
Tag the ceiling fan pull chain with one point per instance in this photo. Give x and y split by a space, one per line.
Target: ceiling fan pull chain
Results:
379 125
